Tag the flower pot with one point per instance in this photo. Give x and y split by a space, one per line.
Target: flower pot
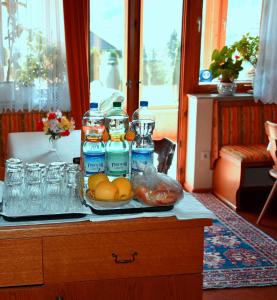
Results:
226 88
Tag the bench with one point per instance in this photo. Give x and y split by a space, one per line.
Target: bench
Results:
239 148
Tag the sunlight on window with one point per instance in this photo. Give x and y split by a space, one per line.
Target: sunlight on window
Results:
225 25
107 51
33 73
160 63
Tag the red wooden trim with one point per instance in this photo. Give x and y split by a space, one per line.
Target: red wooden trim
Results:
190 53
215 29
133 50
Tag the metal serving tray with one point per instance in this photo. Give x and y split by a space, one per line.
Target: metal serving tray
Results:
42 209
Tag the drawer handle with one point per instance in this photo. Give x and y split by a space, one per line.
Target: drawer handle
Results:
124 261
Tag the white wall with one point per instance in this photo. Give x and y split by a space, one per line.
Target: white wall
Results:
200 114
198 173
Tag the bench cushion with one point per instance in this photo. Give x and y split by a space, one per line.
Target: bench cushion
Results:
248 154
240 122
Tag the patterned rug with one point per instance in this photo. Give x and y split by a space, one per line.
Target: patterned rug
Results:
236 254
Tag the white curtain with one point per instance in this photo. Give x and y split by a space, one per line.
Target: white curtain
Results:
33 73
265 82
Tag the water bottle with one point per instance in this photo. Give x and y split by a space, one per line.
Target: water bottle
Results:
142 147
117 148
93 148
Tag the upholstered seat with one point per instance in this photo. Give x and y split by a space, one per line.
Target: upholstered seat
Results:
247 154
239 148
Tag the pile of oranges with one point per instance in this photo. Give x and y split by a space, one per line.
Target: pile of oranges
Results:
102 189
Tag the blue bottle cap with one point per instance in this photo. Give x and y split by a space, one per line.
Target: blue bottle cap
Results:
144 103
93 105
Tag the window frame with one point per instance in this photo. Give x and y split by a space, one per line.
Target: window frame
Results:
189 66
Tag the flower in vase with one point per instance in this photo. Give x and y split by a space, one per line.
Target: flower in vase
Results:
225 65
56 125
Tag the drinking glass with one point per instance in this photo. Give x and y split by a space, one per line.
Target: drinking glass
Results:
61 169
33 187
72 177
14 182
43 172
53 185
14 179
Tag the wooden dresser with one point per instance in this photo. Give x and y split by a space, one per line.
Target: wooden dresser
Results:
145 258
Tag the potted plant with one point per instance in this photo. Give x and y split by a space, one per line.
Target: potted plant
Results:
248 48
225 66
26 76
55 72
14 31
32 68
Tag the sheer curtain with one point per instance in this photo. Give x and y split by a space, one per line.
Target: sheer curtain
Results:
33 72
265 87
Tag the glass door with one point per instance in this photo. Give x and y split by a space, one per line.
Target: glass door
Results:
108 51
160 62
161 25
135 50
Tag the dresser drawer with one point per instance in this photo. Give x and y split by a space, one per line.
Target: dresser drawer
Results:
20 262
122 255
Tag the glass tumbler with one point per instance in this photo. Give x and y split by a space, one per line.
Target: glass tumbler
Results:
72 179
53 187
33 187
14 177
61 169
72 185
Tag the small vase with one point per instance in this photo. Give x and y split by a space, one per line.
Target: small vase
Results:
53 145
226 88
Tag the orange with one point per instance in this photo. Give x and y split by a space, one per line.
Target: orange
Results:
130 135
105 136
95 179
106 191
124 188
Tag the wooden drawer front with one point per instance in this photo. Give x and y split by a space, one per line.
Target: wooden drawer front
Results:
88 257
20 262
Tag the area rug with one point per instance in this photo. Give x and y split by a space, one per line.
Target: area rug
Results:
236 254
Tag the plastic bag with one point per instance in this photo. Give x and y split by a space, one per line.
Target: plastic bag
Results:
155 188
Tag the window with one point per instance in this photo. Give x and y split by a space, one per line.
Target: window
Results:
111 62
135 55
108 52
224 23
33 73
160 63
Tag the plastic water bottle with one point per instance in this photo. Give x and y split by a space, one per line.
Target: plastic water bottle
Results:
117 148
93 148
142 147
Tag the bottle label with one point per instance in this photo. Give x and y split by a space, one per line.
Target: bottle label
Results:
117 163
94 163
118 137
93 131
140 159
